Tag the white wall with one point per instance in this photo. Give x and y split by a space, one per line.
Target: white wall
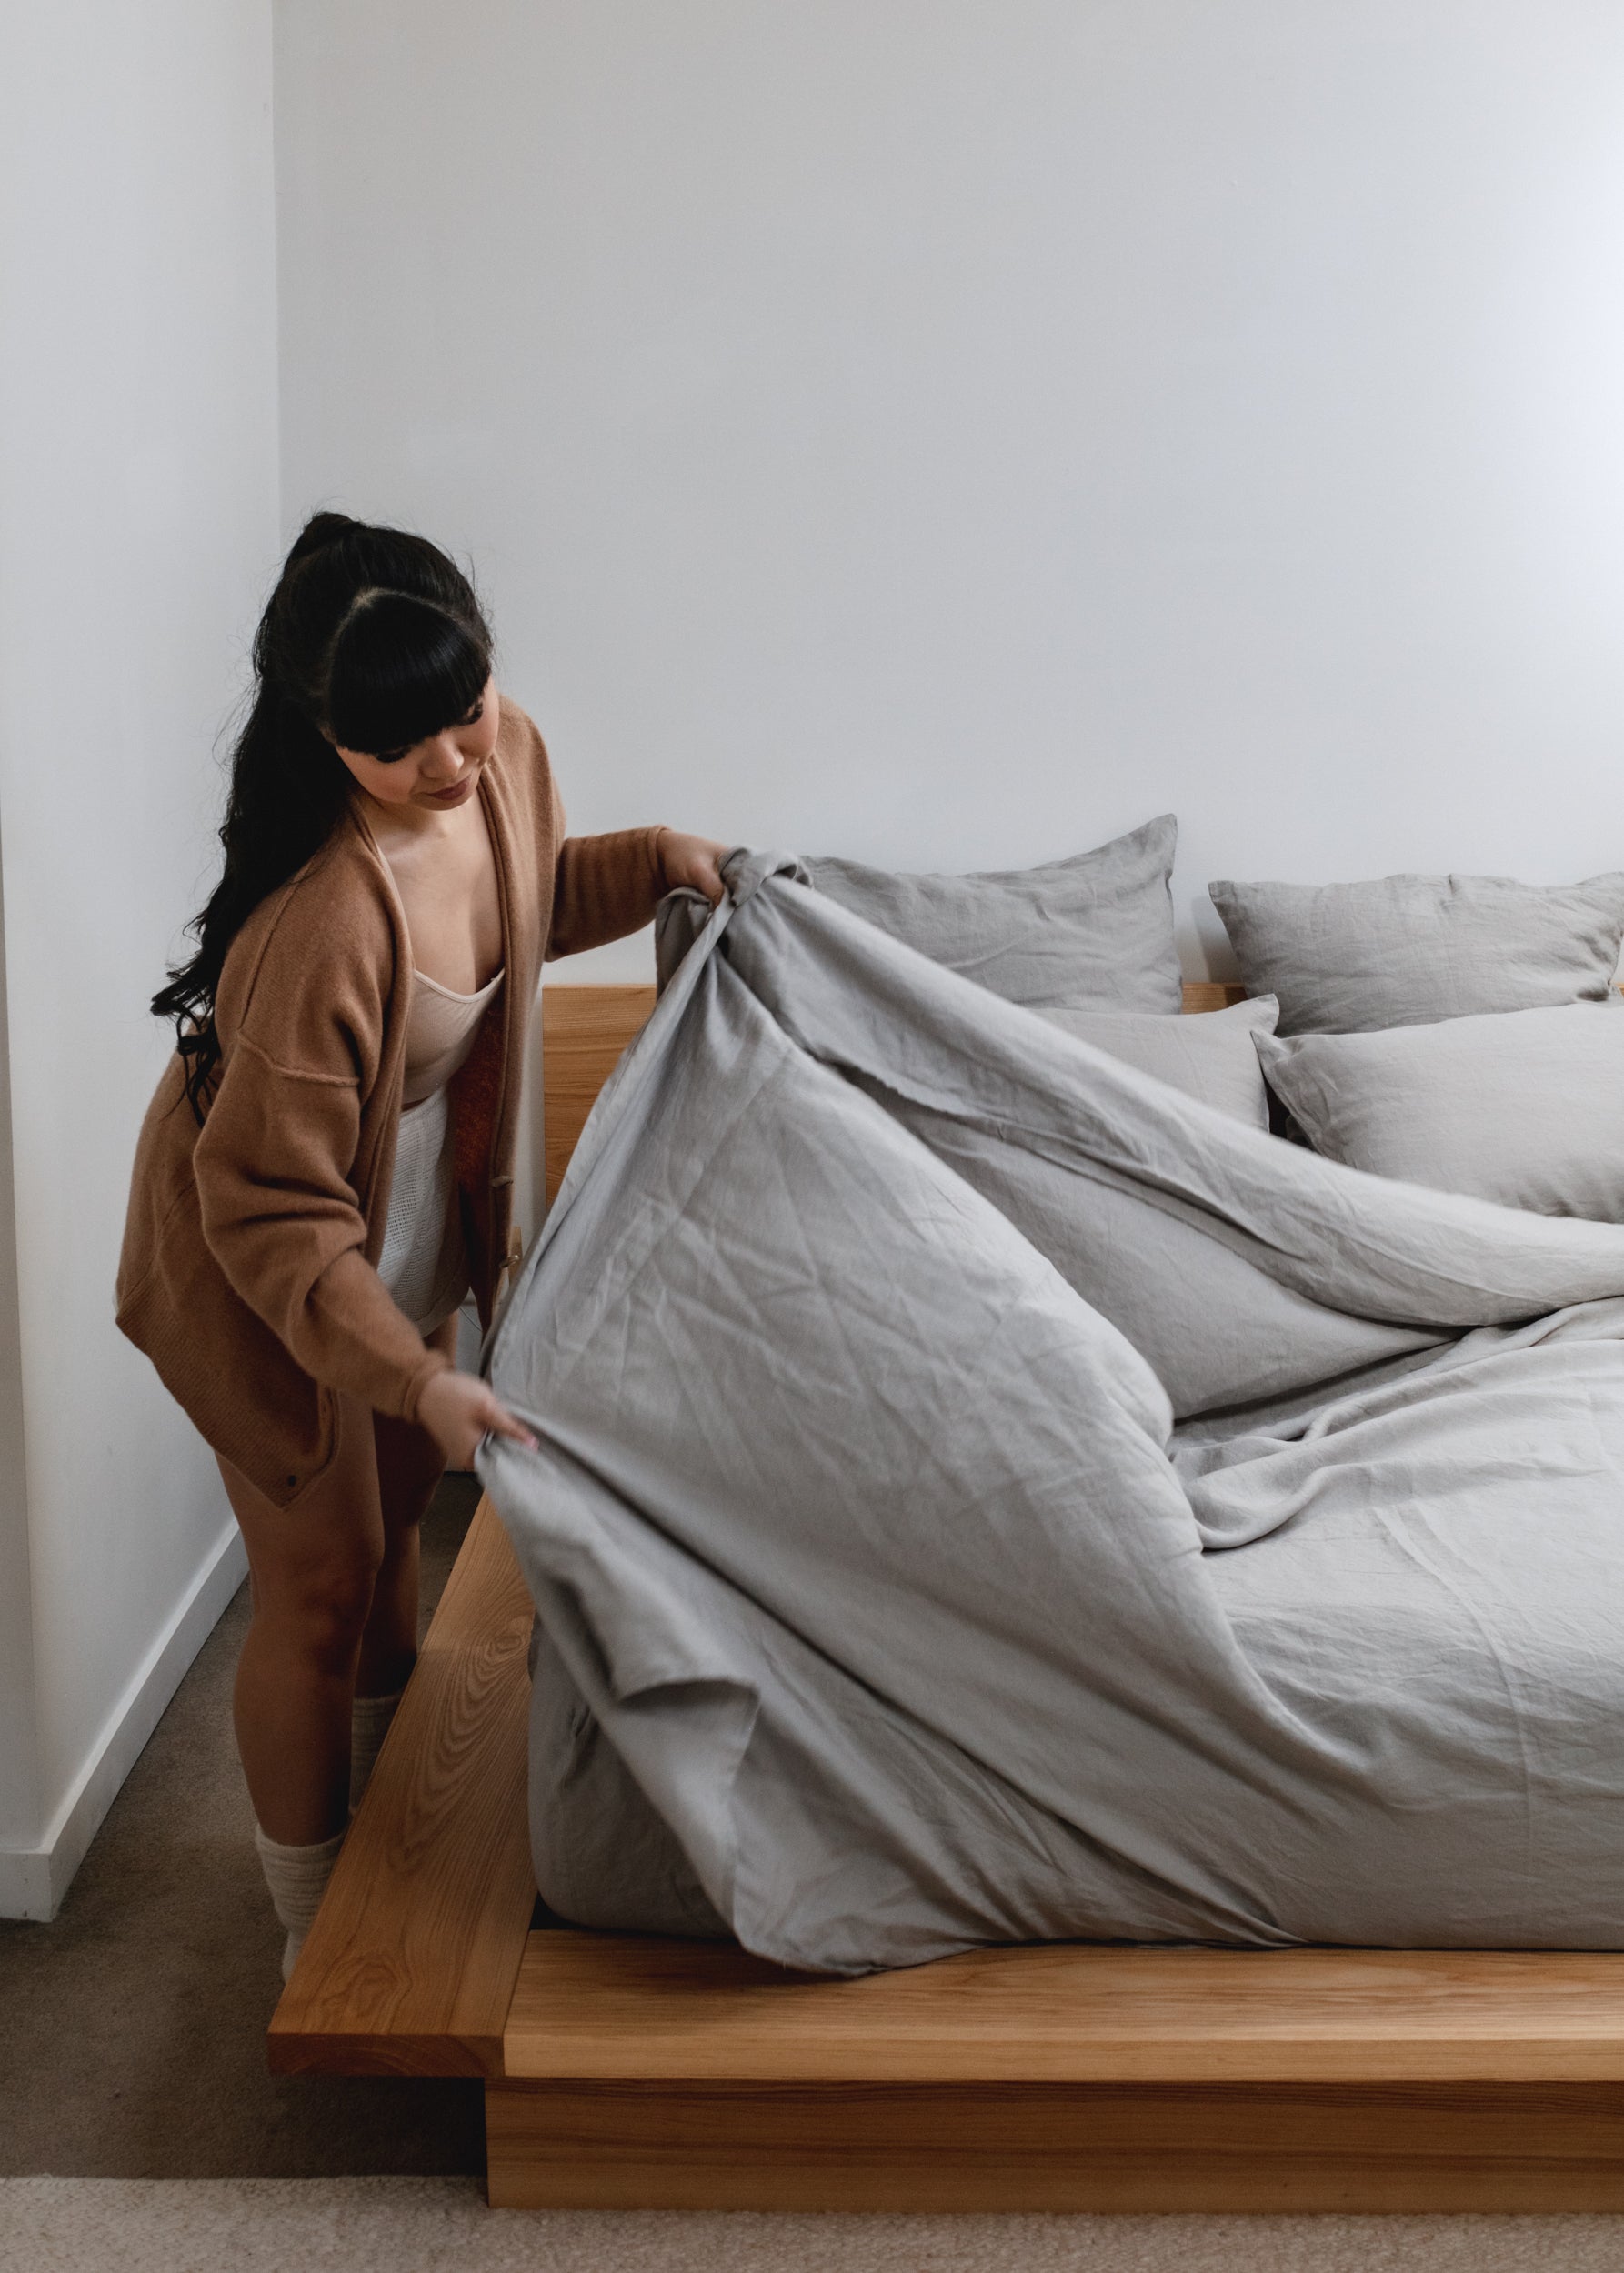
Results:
949 431
139 522
942 432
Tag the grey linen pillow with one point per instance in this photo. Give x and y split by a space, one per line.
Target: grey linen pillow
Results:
1095 928
1208 1056
1523 1107
1347 958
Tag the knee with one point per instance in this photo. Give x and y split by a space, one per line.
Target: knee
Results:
322 1611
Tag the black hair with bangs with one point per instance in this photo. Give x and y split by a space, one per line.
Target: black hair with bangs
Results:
401 669
373 639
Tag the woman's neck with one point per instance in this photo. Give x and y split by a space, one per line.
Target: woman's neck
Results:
403 827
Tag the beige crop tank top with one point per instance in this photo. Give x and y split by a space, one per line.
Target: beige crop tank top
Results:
439 1034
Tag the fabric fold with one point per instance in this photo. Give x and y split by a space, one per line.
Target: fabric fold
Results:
898 1362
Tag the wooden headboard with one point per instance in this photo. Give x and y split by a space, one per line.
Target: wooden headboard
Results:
584 1030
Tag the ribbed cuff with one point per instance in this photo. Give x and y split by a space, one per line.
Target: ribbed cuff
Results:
297 1878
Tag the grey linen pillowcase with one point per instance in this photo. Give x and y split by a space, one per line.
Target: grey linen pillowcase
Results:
1095 928
1523 1107
1407 950
1208 1056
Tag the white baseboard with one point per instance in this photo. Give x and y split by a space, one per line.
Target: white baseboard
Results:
34 1879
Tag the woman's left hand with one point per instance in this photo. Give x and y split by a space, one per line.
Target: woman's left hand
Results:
693 861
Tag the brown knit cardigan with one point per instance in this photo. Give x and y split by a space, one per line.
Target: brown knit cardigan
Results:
248 1273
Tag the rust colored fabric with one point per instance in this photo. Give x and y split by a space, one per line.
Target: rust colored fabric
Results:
248 1273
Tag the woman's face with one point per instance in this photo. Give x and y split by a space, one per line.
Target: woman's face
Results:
432 776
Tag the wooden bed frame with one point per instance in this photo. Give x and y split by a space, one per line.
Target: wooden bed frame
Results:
623 2072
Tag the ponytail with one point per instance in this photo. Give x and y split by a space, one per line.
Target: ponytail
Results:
372 638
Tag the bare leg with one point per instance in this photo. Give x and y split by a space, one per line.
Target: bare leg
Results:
410 1465
314 1568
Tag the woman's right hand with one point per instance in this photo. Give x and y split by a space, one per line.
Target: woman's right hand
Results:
457 1409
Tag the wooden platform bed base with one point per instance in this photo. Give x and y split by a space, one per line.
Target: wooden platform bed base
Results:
627 2072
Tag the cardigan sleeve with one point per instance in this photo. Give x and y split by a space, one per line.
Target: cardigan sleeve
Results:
273 1164
604 887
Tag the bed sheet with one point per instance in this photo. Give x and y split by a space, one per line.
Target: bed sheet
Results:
984 1496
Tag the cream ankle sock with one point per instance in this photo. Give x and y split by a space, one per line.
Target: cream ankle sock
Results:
297 1878
368 1725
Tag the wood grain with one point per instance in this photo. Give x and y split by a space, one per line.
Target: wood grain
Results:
1211 993
409 1969
585 1029
1536 2148
623 2008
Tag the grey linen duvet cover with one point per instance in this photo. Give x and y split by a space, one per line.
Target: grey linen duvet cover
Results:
984 1494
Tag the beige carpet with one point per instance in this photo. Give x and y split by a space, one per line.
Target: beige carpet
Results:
132 2029
441 2226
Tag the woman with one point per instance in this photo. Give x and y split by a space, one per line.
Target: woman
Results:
327 1168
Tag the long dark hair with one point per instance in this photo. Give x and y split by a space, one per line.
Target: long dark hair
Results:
373 636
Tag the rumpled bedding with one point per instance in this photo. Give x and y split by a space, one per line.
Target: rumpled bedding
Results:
985 1495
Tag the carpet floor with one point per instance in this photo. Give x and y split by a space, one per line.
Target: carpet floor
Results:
131 2028
441 2226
